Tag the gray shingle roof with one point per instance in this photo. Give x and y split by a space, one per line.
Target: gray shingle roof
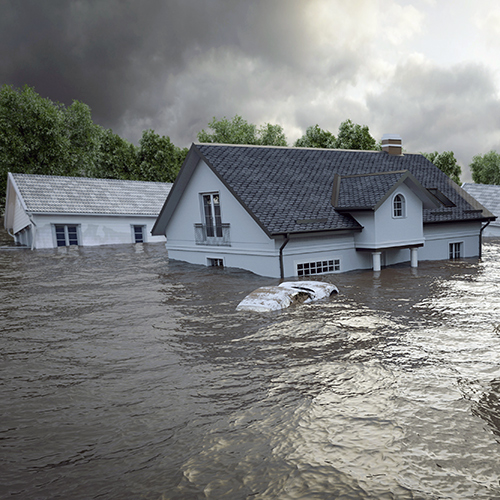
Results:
486 194
289 190
365 190
82 195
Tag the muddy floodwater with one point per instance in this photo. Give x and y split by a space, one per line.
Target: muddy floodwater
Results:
126 376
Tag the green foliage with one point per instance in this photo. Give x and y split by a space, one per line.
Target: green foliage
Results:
239 131
354 136
271 135
350 136
117 158
236 131
447 163
158 159
39 136
33 135
84 140
486 168
315 137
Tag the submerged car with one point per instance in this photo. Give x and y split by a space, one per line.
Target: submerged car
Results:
274 298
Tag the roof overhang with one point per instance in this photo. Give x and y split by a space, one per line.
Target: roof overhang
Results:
428 200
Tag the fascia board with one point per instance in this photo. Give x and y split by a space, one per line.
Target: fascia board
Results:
428 200
175 194
9 214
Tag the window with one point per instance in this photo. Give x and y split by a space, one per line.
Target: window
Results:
215 262
211 212
319 267
211 231
66 235
455 250
399 207
138 234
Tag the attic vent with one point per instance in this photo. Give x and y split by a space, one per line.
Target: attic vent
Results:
392 144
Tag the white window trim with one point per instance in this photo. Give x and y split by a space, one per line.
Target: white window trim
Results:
403 206
336 263
210 259
202 210
65 224
144 232
461 250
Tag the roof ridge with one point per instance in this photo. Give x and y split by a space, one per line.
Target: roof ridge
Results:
264 146
98 179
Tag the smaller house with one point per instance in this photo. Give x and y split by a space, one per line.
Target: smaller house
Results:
43 211
489 196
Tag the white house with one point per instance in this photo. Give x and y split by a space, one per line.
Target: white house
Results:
489 196
281 212
44 211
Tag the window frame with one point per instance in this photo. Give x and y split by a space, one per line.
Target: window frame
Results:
215 262
313 268
70 237
455 250
143 228
399 212
211 214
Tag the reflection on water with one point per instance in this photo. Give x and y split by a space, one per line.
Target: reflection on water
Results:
124 375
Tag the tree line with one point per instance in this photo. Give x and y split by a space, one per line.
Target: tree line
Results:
39 136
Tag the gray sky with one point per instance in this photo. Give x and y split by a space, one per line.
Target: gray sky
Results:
426 69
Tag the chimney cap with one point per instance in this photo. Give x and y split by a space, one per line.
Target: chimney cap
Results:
391 136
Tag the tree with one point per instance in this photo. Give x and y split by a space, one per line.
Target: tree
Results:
350 136
236 131
239 131
354 136
158 159
117 158
271 135
447 163
486 169
315 137
84 139
33 136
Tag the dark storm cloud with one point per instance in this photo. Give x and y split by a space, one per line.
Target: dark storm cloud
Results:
146 64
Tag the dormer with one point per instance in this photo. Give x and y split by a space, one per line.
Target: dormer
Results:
389 206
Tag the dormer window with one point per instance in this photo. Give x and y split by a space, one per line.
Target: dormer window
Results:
399 207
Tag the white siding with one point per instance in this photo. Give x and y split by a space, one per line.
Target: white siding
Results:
21 219
382 230
323 248
250 248
94 230
439 236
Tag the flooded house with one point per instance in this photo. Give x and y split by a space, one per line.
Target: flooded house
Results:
489 196
43 211
284 211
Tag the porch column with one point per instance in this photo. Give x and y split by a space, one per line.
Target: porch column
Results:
376 260
414 257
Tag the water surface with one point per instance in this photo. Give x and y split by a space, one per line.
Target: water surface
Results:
124 375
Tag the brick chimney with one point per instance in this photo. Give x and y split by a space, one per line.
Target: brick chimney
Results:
392 144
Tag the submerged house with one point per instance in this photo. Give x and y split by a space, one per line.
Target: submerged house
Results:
281 212
43 211
489 196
